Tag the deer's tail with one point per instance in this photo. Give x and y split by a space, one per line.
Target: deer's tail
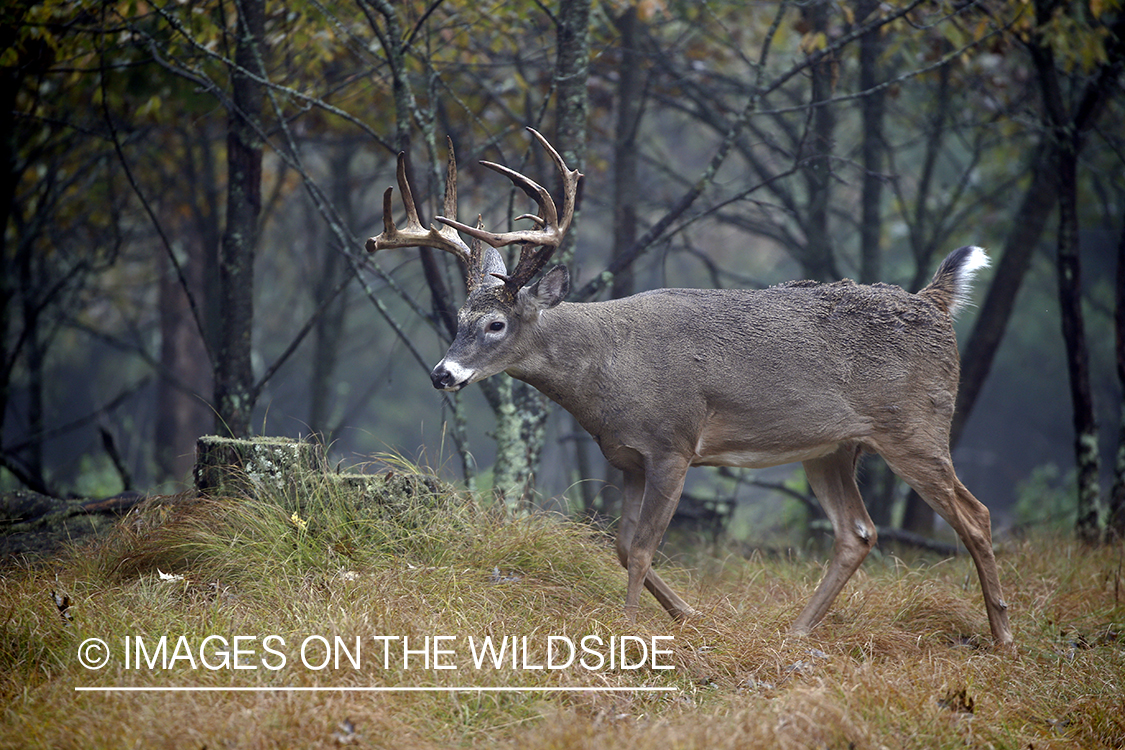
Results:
953 280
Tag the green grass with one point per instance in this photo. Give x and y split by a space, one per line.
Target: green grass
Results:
902 660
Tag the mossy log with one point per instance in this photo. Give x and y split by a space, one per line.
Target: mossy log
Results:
255 465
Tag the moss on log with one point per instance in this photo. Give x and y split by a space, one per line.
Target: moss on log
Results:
256 465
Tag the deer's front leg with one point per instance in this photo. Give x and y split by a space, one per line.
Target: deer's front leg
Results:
649 502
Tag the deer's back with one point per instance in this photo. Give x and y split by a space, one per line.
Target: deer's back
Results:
843 333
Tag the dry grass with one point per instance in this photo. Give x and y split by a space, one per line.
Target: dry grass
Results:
902 660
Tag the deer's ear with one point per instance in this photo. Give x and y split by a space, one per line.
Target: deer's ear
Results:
552 288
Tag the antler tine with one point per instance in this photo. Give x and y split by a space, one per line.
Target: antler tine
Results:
450 206
413 234
548 212
570 179
407 194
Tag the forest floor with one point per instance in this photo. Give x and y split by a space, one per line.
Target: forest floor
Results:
327 617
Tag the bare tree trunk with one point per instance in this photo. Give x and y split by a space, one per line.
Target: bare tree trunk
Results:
234 375
526 413
818 258
1116 527
873 107
329 327
630 97
1077 353
572 71
182 414
9 89
33 358
521 421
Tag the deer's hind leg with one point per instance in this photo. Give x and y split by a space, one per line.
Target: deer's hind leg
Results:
932 476
832 479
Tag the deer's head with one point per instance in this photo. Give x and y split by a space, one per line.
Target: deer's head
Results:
494 324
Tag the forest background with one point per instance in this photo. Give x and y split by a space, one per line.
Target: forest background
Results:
189 186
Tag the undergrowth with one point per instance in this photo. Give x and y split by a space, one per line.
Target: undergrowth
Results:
902 660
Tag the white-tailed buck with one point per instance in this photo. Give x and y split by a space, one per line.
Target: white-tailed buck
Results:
674 378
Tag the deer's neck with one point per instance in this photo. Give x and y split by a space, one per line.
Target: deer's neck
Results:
569 358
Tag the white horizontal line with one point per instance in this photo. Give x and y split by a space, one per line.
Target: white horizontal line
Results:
405 689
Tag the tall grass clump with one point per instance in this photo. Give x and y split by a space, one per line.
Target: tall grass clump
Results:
311 525
399 518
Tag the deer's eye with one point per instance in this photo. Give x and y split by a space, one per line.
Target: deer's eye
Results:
496 325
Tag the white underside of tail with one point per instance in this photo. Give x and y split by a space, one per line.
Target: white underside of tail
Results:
963 280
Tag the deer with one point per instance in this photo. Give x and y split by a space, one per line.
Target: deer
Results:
667 379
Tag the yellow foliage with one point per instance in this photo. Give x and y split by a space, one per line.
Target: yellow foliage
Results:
812 42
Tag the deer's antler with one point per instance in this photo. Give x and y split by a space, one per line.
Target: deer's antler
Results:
413 234
538 244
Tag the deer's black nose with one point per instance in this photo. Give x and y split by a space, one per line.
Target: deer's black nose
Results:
441 378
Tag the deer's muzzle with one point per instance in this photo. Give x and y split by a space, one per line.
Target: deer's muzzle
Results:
450 376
